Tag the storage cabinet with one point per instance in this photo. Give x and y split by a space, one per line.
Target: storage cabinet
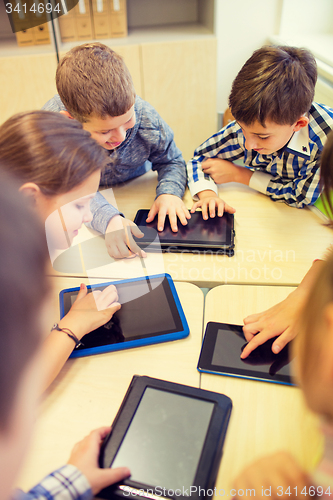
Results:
179 81
173 66
26 82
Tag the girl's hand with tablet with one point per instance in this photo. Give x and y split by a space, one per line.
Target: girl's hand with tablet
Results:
210 202
84 456
89 311
119 238
280 320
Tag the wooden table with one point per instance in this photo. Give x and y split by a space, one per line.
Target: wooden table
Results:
265 417
89 390
275 243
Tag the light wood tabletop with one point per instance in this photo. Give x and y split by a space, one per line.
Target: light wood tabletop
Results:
89 390
266 417
275 244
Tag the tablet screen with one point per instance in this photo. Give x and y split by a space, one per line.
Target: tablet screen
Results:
213 232
160 447
223 345
151 312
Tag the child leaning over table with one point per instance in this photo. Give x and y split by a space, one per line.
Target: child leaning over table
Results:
24 298
96 88
278 132
313 350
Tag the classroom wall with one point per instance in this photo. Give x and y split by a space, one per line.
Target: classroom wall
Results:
241 27
305 17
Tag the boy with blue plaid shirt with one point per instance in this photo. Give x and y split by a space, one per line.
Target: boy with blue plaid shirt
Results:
278 132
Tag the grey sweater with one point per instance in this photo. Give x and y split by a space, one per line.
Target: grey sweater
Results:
150 140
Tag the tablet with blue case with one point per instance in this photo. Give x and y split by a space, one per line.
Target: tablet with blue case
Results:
150 313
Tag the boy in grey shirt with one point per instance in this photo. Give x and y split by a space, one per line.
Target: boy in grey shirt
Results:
95 88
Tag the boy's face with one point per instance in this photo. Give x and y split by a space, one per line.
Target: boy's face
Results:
269 139
110 132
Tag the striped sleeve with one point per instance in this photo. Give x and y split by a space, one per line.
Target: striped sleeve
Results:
66 483
227 144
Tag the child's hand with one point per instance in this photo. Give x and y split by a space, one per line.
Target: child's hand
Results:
85 457
223 171
119 240
210 201
168 204
279 475
278 321
91 310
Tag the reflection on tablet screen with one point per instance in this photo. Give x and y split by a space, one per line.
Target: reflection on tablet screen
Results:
160 447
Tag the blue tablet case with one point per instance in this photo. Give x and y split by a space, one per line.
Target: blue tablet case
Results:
181 329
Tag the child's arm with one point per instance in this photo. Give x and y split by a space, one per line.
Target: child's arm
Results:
280 320
168 161
89 311
277 477
301 191
207 168
81 478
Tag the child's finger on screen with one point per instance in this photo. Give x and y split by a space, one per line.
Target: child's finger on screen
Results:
212 207
173 220
256 341
161 219
110 294
182 217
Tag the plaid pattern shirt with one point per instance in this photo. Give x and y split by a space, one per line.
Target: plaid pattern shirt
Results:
66 483
290 175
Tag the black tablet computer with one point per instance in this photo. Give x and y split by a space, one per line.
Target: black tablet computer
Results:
221 350
215 234
150 313
170 436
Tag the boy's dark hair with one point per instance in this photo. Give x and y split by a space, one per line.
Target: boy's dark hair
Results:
93 80
276 84
23 258
50 150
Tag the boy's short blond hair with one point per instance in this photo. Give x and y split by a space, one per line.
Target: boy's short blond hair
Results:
276 84
93 80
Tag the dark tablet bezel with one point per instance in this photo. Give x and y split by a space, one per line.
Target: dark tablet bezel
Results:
205 364
181 329
179 244
211 453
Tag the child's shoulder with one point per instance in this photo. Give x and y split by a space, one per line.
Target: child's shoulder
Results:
54 104
145 111
321 112
320 121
